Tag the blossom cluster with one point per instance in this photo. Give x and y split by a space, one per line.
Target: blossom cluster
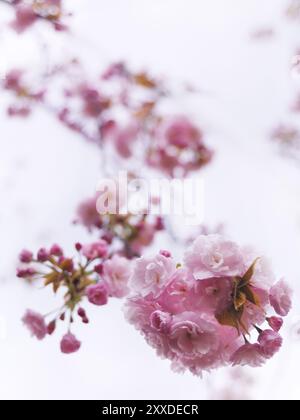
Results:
287 137
127 234
94 275
28 12
119 110
202 314
25 94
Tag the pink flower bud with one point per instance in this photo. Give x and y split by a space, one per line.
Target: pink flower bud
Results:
51 327
69 344
81 313
166 254
26 256
78 247
26 273
43 255
56 250
99 269
275 323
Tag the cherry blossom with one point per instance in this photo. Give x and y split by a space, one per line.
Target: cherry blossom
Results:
97 294
280 298
116 275
214 309
121 111
28 12
36 324
128 233
69 344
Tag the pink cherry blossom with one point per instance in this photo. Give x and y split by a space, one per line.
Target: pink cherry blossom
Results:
145 236
179 131
177 295
213 295
213 256
124 138
270 342
25 17
115 70
13 80
97 294
192 336
160 321
35 322
93 102
18 111
95 250
280 298
249 355
69 344
199 324
139 311
116 274
151 274
88 215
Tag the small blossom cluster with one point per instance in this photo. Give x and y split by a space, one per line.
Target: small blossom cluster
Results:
120 111
201 315
287 137
94 276
173 143
27 13
127 234
15 82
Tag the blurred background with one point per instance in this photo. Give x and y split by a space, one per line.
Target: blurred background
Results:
238 54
